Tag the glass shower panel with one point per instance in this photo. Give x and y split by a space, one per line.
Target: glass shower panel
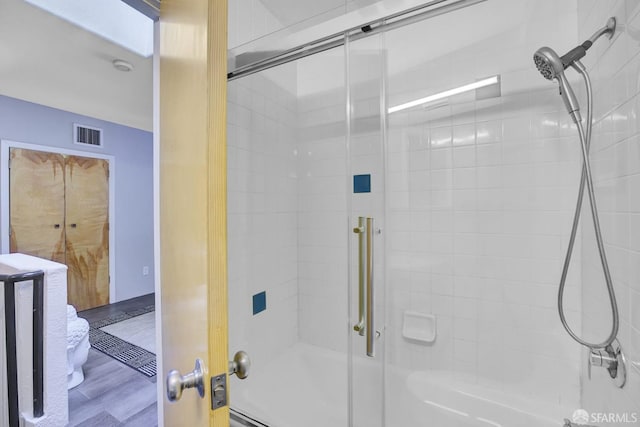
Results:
287 234
365 83
480 191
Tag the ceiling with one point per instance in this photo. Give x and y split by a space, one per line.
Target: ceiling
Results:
48 61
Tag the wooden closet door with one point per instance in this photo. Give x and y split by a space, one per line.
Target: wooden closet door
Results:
87 231
36 204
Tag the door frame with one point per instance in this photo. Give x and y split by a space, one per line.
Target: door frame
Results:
5 146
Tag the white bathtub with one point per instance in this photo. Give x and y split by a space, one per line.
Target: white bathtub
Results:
433 399
308 386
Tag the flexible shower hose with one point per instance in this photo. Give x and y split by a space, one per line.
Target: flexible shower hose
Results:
585 142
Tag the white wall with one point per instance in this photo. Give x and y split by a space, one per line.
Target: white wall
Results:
614 66
132 149
55 341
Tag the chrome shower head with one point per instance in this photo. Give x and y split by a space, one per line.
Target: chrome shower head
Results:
551 66
548 63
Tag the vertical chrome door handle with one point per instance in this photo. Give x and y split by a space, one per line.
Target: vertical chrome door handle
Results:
366 301
177 382
370 328
360 230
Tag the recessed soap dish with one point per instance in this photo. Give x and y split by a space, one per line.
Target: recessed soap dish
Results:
420 327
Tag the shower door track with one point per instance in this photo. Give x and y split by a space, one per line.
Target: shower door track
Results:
245 420
396 20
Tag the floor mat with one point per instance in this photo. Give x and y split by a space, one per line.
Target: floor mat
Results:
139 330
131 355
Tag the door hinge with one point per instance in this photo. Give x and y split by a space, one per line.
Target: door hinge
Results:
9 163
218 391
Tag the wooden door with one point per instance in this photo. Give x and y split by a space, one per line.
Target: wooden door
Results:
192 188
87 231
36 204
59 210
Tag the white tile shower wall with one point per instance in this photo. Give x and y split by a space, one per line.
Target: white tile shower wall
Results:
322 219
480 202
262 214
614 66
477 233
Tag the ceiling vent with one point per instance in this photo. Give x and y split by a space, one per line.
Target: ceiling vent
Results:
87 135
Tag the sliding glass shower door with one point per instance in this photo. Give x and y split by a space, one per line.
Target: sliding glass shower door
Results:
306 170
288 242
398 207
365 66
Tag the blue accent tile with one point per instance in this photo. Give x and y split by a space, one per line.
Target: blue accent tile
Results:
259 302
362 183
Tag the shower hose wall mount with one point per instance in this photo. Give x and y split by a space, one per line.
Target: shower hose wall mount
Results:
612 359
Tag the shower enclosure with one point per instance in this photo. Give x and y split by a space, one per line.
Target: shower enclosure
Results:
394 264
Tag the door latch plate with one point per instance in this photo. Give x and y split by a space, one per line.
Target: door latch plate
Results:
218 391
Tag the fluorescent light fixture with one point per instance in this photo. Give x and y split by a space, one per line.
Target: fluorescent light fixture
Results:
447 93
113 20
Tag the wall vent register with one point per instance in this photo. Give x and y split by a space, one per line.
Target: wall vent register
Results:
87 135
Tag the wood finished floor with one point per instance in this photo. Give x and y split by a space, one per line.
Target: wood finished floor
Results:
112 393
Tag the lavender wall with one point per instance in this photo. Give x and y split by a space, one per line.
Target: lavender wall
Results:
26 122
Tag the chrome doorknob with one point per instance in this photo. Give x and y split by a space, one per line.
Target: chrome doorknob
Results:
240 365
177 382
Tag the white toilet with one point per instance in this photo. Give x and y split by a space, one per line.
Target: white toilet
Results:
77 346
